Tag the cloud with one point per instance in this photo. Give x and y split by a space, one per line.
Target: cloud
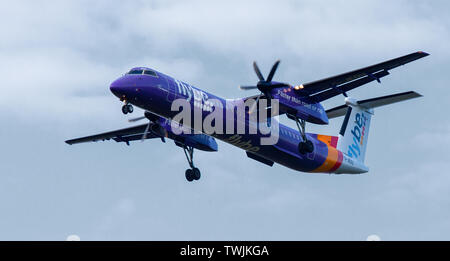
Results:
58 58
438 134
427 180
65 52
118 216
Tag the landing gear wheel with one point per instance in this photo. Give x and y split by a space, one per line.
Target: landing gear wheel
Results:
305 147
196 173
302 147
189 175
127 108
309 146
130 108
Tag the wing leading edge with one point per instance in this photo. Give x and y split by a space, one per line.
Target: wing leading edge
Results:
122 135
326 88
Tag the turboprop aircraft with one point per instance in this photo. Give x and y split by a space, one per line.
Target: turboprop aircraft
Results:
156 93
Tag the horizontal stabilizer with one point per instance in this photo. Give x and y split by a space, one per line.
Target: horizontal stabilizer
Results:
374 103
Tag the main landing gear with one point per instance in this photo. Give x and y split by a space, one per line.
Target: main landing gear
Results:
127 108
305 146
193 173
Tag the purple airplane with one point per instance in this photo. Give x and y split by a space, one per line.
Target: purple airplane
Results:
156 92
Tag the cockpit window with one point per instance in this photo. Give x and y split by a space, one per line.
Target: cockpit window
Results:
151 73
135 72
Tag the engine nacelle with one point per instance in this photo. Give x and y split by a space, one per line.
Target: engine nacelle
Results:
302 107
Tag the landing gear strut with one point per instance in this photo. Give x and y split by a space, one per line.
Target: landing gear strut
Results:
305 146
193 173
127 108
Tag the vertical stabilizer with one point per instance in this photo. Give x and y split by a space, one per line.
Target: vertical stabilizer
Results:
354 132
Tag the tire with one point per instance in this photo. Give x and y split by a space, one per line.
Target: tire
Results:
309 146
130 108
196 174
305 147
189 175
302 148
125 109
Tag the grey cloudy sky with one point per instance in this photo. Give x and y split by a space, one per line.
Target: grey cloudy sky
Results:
57 59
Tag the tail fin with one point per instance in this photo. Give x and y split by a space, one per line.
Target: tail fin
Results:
354 132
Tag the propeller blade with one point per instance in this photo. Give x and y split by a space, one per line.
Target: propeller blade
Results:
250 111
272 71
146 131
162 133
258 72
136 119
248 87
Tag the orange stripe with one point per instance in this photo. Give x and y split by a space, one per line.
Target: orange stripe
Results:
324 138
338 163
329 140
330 161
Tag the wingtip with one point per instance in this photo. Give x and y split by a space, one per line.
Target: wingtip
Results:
423 53
417 95
68 142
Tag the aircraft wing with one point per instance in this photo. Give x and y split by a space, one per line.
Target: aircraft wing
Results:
326 88
374 103
122 135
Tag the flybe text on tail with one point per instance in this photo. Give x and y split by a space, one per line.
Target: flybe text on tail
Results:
358 132
353 138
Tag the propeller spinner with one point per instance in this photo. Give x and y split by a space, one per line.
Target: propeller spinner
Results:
264 85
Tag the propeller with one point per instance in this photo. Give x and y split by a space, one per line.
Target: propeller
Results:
152 119
264 85
144 136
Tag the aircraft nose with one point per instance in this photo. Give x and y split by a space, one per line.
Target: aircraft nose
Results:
117 87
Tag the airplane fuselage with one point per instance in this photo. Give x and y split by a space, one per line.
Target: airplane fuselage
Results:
156 93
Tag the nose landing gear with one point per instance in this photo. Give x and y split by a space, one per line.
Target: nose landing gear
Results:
193 173
127 108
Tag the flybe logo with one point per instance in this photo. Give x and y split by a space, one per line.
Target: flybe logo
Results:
200 98
358 132
246 145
